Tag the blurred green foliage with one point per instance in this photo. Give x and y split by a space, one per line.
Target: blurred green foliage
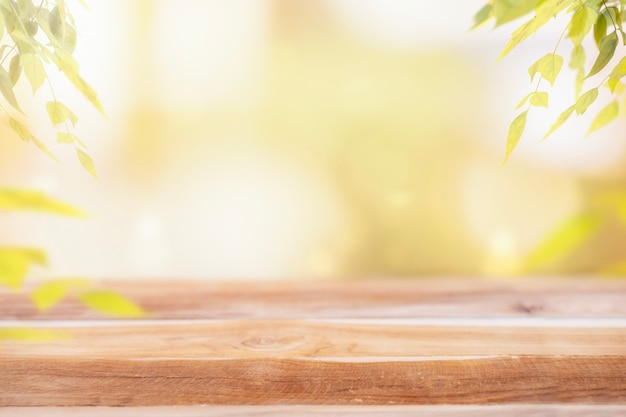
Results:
38 36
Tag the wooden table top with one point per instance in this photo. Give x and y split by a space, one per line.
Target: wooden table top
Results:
382 347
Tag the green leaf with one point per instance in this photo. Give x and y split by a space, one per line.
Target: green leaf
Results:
605 116
578 58
87 163
59 113
607 50
6 88
539 99
44 148
34 70
579 82
20 129
84 4
111 304
581 24
508 10
14 265
599 29
549 66
12 199
586 100
69 67
483 15
15 69
562 119
617 74
524 100
566 238
515 133
544 11
63 137
61 33
48 295
51 293
26 136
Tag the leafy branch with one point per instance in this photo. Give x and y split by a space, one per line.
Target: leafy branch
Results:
605 17
42 36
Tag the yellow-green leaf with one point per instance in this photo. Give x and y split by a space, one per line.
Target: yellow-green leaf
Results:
6 88
34 70
63 137
48 295
578 58
563 240
13 199
44 148
605 116
87 163
15 69
515 133
617 74
20 129
607 50
508 10
51 293
111 304
549 66
562 119
88 92
581 24
544 11
580 81
586 100
539 99
483 15
524 100
69 67
59 113
26 136
14 265
599 29
23 334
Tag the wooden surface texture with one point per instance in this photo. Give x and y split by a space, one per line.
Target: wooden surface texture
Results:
533 345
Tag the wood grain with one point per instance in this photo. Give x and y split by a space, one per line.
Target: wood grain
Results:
575 297
523 410
372 343
305 362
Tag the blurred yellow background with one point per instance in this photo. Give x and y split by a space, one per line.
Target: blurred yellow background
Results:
282 139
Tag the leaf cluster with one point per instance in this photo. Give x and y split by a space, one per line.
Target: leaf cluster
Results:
601 20
16 262
41 36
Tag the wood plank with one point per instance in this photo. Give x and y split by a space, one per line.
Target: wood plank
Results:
375 343
524 410
352 299
314 362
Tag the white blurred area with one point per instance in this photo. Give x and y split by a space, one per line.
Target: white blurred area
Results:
214 167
